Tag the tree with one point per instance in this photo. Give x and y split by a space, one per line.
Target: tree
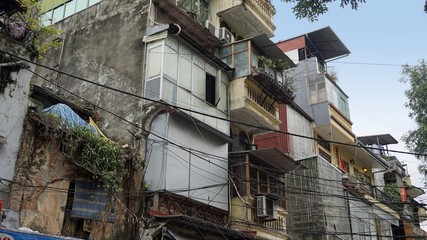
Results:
311 9
416 140
38 38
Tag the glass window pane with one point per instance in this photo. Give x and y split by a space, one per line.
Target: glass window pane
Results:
169 91
171 63
58 14
199 82
152 89
92 2
225 51
184 98
222 105
241 61
81 4
47 18
227 60
240 46
199 106
70 8
223 126
154 61
185 73
199 61
172 42
184 51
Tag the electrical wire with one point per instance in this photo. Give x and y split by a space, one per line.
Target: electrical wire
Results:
204 114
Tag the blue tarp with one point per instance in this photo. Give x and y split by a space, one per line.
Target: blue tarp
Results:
16 235
68 116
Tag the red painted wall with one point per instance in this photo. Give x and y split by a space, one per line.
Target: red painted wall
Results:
295 43
274 139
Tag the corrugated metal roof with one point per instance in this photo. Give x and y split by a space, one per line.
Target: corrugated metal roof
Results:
271 49
327 43
382 139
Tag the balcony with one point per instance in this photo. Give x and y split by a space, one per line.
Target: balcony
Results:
258 198
278 225
362 188
248 18
256 91
333 123
251 106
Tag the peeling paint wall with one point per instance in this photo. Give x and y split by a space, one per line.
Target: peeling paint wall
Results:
13 108
40 192
42 179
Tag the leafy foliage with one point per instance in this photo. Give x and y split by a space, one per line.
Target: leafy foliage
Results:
392 191
98 155
313 9
416 140
42 37
279 66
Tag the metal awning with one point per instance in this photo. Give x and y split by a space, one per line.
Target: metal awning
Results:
271 49
382 139
414 191
276 159
327 43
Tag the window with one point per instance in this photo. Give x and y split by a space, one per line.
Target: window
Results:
317 92
323 143
210 95
154 61
90 201
56 10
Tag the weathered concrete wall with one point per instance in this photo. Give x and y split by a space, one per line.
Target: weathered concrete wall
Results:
316 201
103 44
13 107
41 182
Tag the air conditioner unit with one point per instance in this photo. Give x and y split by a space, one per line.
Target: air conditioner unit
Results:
266 208
211 27
225 36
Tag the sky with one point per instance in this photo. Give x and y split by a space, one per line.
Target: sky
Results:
381 35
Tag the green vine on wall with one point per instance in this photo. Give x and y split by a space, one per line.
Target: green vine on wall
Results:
98 155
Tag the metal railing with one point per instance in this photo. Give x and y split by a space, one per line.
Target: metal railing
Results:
278 224
360 187
261 99
265 7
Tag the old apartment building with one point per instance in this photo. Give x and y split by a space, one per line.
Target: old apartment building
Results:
214 131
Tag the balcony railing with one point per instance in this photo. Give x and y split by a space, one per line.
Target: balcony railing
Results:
278 224
277 89
265 7
358 187
261 99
